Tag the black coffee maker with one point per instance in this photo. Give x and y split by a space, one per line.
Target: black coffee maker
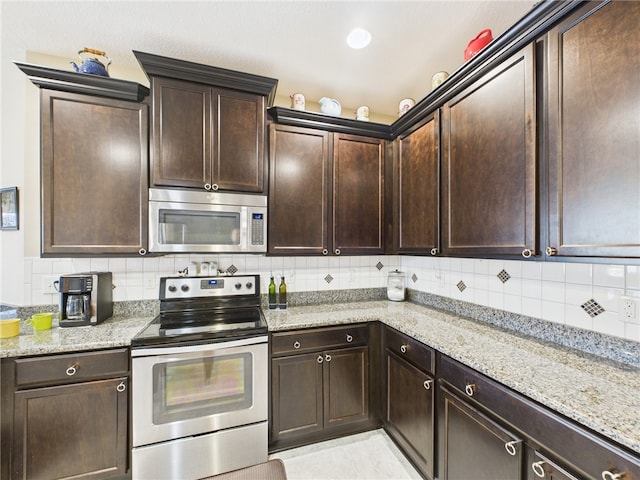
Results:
85 298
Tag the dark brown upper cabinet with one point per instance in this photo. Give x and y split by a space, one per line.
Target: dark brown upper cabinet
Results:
207 138
416 188
594 132
94 175
489 163
326 194
208 125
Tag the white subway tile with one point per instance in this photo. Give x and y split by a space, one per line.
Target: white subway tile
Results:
513 303
577 294
579 273
609 324
553 272
553 311
608 298
608 275
532 307
632 276
99 264
577 317
553 291
532 270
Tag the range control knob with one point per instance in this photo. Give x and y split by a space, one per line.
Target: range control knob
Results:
172 288
238 286
184 287
249 285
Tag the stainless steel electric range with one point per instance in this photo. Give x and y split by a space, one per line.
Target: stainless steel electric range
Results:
199 380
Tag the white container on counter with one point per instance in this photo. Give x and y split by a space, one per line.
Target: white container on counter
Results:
395 286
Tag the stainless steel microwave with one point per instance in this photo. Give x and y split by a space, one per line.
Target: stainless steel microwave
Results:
192 222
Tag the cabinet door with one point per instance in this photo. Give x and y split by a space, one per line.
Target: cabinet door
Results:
475 446
298 191
416 186
346 385
181 155
594 132
94 175
71 430
410 412
238 145
358 195
489 163
296 392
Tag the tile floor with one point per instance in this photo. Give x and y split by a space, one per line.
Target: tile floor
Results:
365 456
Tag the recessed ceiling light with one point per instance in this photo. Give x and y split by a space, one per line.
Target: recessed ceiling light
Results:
358 38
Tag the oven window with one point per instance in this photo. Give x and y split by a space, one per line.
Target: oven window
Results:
201 387
186 227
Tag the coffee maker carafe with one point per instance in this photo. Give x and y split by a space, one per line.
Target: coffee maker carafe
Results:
85 298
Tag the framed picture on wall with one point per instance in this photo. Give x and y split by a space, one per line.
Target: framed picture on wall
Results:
9 208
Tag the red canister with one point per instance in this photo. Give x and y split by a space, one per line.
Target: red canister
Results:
482 40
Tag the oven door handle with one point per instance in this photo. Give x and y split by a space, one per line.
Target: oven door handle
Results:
172 350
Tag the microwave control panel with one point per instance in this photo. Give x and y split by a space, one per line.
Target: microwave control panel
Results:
257 229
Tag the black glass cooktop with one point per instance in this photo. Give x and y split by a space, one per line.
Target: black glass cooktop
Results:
192 327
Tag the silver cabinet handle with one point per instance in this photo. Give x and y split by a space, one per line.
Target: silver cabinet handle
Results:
325 251
337 251
527 252
320 359
349 338
607 475
296 345
551 251
434 251
71 371
427 384
121 387
470 389
538 469
207 186
327 358
404 348
510 447
215 187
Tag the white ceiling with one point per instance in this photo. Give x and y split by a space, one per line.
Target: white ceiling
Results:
301 43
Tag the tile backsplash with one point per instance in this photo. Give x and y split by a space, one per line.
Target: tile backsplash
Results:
587 296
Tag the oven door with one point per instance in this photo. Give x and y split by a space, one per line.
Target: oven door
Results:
184 391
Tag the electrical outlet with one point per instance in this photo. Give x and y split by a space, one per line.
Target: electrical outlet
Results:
629 308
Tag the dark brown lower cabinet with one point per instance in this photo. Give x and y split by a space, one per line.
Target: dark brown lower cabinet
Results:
318 391
474 446
410 411
71 430
324 390
66 416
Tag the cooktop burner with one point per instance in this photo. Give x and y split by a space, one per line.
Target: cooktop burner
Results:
205 309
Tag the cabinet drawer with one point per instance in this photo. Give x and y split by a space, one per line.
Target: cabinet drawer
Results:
309 340
71 367
410 349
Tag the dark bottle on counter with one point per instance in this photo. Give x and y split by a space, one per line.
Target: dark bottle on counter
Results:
282 297
273 299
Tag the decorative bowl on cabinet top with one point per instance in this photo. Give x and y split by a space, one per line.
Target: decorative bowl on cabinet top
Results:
330 106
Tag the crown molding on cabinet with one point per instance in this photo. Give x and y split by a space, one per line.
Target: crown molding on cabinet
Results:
68 81
156 65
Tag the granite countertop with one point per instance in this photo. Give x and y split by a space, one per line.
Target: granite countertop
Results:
113 332
598 393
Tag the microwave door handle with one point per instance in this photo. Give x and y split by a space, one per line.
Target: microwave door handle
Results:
244 230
